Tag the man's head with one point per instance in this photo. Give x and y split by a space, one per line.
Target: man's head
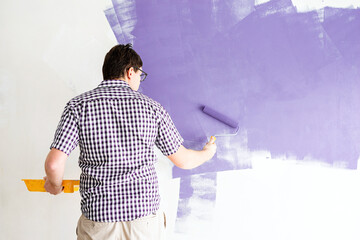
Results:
122 62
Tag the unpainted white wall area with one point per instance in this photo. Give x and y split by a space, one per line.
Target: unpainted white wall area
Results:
50 52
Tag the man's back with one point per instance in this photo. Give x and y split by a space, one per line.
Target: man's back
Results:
116 129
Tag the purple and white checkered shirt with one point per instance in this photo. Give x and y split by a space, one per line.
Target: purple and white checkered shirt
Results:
116 129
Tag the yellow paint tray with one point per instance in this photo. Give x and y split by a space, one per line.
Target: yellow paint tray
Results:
37 185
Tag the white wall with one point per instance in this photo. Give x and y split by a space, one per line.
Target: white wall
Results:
283 199
52 51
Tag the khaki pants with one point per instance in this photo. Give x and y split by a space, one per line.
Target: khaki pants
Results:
151 227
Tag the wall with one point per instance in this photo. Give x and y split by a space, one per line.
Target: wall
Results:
252 189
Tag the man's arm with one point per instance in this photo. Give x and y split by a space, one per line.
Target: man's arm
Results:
54 168
187 158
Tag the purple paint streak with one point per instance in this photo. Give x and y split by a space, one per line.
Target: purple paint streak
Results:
122 19
195 189
287 77
342 27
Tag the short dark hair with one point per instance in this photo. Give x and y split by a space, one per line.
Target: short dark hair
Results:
119 59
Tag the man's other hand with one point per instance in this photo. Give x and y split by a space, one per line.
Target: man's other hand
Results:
52 189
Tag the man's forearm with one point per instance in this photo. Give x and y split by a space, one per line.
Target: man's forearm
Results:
55 166
188 158
195 158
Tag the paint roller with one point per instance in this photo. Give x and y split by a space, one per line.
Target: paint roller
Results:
222 118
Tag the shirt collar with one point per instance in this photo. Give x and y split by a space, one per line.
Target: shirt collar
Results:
114 83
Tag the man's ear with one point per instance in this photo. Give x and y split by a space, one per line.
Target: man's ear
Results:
130 72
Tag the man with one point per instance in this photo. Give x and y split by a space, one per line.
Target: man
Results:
117 128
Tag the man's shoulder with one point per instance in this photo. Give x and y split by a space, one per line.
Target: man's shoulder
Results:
83 97
119 93
156 106
148 99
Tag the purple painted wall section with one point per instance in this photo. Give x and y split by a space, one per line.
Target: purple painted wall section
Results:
122 19
306 98
290 79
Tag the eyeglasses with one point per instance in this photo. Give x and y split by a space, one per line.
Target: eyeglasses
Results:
142 75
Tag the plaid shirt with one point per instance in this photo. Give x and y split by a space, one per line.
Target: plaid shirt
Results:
116 129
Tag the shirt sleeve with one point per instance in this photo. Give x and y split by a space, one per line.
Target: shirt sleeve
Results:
168 139
66 136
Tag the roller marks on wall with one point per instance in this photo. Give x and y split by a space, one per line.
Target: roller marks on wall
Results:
289 78
196 207
182 85
122 19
